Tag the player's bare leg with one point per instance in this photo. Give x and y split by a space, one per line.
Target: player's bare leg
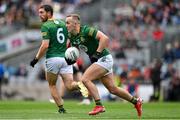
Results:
109 84
77 77
52 79
86 99
70 84
62 88
94 72
97 72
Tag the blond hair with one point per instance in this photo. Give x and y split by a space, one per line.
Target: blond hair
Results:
75 17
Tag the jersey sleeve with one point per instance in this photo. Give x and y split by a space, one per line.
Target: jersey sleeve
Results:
91 31
45 32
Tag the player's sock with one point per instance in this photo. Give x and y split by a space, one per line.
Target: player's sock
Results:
98 102
133 100
61 109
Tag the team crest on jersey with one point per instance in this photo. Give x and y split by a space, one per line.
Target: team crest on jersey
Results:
82 39
83 47
76 42
56 22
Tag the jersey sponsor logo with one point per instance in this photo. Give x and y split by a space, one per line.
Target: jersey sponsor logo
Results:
83 47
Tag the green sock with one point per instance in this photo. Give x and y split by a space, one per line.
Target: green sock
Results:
133 100
98 102
61 109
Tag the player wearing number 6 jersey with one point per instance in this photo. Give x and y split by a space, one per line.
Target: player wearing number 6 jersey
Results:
54 34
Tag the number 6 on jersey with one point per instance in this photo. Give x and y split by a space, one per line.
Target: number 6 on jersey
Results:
60 35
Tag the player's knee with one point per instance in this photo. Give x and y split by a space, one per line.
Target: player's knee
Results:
69 87
112 90
84 80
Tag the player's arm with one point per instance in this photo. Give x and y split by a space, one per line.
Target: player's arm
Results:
44 45
45 42
42 50
96 34
103 41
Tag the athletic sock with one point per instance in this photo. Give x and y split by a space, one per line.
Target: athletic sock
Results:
98 102
61 109
133 100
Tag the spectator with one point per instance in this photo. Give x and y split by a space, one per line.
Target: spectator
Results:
120 54
22 71
41 74
168 55
169 74
1 77
132 87
176 50
174 90
158 34
156 79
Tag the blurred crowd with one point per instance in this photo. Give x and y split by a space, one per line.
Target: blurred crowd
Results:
140 21
19 14
148 12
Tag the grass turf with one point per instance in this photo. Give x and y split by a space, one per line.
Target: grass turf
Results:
114 111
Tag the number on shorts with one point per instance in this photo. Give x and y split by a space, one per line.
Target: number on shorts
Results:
60 35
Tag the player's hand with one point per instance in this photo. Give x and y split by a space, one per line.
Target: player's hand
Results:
70 62
95 57
33 62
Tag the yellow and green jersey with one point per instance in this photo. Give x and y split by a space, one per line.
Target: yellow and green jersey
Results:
56 32
86 40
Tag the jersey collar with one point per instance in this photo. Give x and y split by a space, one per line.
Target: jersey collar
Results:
51 19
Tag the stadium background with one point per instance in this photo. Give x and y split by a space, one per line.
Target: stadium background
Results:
141 33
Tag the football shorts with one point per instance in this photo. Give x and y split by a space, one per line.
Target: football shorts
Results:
106 62
58 65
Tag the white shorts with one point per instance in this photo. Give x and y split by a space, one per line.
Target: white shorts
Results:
58 65
106 62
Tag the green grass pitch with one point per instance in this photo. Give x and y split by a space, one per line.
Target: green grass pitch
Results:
114 111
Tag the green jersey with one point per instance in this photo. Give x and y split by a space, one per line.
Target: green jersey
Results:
56 32
86 40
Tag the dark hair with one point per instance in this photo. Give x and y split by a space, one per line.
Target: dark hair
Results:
47 8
